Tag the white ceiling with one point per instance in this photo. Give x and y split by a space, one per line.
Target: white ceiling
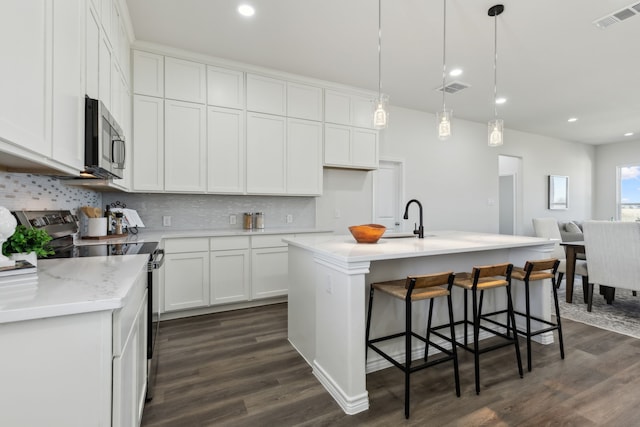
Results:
553 63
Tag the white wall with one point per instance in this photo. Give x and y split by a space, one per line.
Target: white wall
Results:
610 156
457 180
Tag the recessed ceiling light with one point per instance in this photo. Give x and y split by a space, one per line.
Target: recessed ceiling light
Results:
455 72
501 100
246 10
628 134
572 119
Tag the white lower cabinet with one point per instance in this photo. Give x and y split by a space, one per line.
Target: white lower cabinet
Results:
230 280
186 273
269 266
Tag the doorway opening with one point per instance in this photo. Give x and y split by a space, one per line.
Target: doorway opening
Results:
510 190
388 193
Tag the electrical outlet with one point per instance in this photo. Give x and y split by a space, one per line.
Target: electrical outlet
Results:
289 219
336 213
232 219
166 221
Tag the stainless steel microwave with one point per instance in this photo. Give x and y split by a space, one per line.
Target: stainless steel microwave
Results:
104 150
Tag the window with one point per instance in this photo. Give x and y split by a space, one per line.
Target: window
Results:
629 195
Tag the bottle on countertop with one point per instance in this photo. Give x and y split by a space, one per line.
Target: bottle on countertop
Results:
118 227
259 220
247 221
109 215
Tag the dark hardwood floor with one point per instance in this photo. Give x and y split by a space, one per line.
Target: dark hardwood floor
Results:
238 369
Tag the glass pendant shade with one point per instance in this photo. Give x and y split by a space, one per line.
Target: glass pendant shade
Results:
444 124
496 133
381 113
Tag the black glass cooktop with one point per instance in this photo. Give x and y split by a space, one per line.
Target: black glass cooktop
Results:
107 249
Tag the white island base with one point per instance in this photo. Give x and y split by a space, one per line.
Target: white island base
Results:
328 296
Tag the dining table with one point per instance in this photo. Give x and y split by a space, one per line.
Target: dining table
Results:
571 249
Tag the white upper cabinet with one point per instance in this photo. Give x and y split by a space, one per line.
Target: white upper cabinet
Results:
225 150
92 54
304 157
106 8
148 73
304 101
266 95
68 84
225 88
104 73
350 147
148 146
25 114
347 109
185 80
185 144
266 156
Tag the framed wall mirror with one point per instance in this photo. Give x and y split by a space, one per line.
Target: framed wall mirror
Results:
558 192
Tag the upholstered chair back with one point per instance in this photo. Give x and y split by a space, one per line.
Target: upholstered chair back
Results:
548 227
613 253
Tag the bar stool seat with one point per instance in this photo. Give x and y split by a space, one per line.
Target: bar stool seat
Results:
411 290
480 279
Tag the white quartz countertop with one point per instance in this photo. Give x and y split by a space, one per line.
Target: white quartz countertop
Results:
73 286
344 248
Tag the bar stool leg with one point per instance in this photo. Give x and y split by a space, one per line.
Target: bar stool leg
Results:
407 362
366 338
466 322
428 335
476 339
528 320
453 345
558 321
515 332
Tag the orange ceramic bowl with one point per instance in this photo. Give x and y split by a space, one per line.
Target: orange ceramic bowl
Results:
367 233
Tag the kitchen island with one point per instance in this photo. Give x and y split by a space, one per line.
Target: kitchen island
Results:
328 294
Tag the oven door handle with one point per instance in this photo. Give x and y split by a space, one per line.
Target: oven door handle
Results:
157 260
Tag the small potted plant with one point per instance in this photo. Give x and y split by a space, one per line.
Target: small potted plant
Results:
28 243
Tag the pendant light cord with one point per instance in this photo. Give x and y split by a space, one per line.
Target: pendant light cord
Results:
379 49
444 45
495 65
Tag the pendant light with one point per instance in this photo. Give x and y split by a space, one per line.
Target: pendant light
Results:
380 114
496 126
444 117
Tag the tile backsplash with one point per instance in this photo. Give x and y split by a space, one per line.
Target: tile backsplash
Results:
193 211
26 191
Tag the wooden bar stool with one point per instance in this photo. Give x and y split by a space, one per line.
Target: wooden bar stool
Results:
536 271
480 279
412 289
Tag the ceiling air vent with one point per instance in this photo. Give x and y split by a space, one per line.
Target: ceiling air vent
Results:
617 16
453 87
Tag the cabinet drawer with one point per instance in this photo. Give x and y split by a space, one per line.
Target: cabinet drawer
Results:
174 246
270 241
229 243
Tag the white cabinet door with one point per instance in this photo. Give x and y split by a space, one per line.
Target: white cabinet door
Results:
68 84
361 112
225 150
229 276
186 280
105 73
130 373
304 101
185 146
25 104
225 88
350 147
266 95
337 145
337 107
269 272
92 55
364 148
185 80
304 157
148 143
148 73
266 154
